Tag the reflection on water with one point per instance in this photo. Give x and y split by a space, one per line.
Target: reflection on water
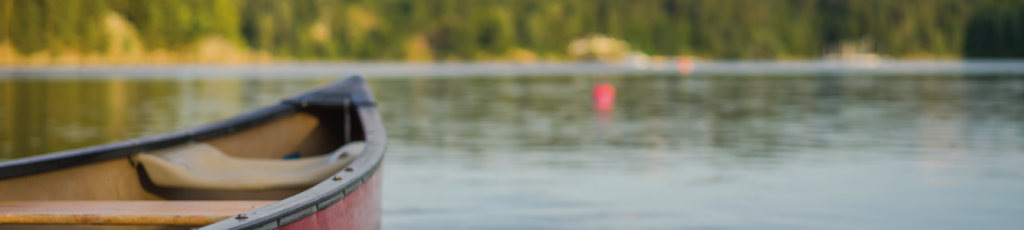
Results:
747 152
42 116
743 117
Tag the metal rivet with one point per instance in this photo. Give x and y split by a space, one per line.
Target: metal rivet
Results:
337 178
241 216
349 169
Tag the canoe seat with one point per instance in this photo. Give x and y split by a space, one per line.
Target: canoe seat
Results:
202 166
124 212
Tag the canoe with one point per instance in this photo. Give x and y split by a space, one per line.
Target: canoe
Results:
312 161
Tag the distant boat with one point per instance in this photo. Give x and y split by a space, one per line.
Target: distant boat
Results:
852 51
310 162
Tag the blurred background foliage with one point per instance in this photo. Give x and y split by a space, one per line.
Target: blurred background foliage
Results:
523 29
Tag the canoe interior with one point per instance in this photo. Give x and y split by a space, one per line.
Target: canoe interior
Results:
307 131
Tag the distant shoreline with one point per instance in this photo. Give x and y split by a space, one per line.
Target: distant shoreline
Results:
460 69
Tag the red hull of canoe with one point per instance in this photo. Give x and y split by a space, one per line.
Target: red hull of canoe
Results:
357 211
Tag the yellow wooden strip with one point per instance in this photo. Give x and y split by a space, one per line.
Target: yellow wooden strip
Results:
123 212
111 219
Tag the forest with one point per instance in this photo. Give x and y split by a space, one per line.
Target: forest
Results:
441 30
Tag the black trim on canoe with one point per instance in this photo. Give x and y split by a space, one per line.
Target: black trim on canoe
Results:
353 91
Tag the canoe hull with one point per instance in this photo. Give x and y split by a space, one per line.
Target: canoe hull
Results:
357 211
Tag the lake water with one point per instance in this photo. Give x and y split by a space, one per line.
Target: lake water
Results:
708 151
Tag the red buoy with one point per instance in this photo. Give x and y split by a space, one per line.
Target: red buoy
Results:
604 97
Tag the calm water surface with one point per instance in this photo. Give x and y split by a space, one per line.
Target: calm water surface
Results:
677 152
